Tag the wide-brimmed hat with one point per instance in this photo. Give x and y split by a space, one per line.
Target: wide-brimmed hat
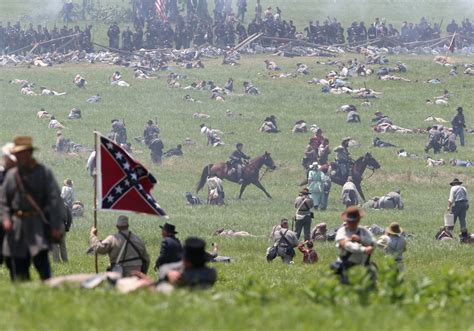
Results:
122 220
305 191
194 251
68 182
352 214
394 228
455 182
22 143
346 139
170 228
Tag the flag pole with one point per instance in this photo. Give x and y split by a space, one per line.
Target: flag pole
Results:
95 199
450 45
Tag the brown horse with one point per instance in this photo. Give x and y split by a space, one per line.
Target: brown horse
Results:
250 173
357 170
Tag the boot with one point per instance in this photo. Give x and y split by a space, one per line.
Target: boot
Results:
464 237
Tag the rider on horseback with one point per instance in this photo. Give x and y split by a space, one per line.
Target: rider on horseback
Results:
343 158
236 161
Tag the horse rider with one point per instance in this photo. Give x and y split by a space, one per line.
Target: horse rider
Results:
236 161
343 158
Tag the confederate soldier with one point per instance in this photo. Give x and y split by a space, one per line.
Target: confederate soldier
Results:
236 161
28 192
458 204
123 248
156 148
119 132
285 241
343 158
304 205
355 245
67 193
215 190
149 131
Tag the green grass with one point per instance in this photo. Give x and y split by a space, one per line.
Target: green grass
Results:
250 294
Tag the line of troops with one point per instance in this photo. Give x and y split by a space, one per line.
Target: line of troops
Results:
225 30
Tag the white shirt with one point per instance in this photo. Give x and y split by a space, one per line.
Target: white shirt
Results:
357 250
458 193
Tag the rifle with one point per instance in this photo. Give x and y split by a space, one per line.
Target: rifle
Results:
366 97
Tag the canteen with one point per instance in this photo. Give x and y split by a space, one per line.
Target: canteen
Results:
448 219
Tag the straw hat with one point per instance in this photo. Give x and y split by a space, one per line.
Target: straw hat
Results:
22 143
394 228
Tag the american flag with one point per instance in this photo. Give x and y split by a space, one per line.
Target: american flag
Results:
160 6
123 184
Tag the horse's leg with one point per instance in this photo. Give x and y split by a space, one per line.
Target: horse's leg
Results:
359 188
260 186
242 189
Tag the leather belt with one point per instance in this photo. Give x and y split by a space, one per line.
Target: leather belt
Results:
27 213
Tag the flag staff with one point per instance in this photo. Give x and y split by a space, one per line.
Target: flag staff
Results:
95 199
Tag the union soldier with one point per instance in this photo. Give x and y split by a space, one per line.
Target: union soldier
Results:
29 190
114 35
236 161
459 124
149 131
171 250
127 36
123 248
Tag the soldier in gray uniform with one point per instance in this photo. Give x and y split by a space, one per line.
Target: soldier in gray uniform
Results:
149 131
123 248
285 241
355 245
29 193
343 158
236 161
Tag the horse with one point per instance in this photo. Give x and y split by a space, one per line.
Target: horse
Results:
358 168
250 173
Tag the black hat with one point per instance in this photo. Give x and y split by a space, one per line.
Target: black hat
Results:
194 251
170 228
455 182
460 109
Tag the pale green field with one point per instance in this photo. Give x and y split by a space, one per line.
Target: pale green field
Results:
251 294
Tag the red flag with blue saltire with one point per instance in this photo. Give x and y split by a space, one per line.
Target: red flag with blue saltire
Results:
122 183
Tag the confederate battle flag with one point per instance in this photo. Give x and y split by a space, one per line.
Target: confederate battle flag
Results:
123 184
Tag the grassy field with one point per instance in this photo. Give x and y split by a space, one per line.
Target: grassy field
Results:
438 289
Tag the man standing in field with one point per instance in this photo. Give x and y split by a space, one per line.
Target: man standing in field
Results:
304 206
459 124
458 204
355 245
123 248
28 190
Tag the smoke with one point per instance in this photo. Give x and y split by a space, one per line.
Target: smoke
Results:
45 9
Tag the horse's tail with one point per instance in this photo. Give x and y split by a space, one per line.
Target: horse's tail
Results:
204 175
